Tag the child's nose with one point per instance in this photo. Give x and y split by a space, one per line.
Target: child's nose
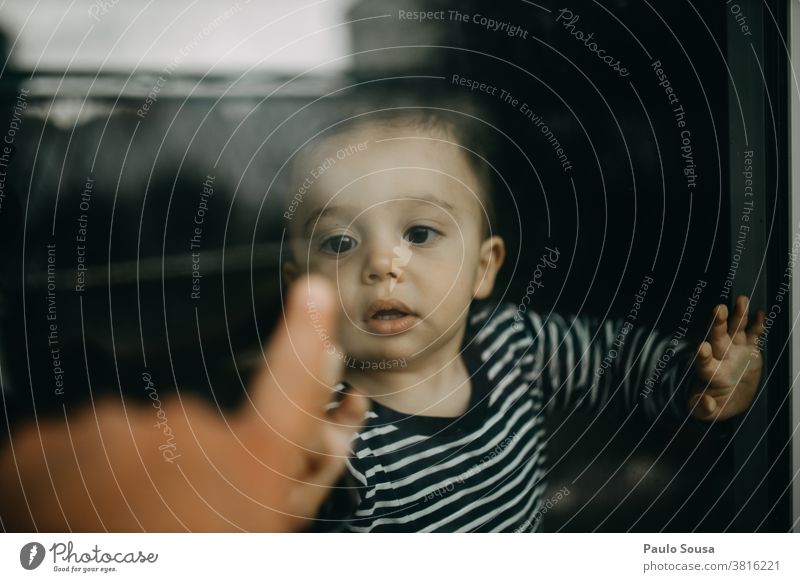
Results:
386 261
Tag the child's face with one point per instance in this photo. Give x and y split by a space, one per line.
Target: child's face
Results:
397 225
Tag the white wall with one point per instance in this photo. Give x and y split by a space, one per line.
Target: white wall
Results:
128 35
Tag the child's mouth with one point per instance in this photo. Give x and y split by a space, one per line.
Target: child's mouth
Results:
389 316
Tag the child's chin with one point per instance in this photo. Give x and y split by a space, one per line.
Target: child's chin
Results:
384 359
392 355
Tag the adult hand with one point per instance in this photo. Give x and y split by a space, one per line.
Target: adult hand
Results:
266 467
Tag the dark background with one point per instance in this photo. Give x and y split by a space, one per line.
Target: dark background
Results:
623 212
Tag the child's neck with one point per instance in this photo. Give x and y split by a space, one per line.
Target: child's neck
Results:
435 384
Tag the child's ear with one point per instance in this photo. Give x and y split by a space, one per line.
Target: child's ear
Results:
492 255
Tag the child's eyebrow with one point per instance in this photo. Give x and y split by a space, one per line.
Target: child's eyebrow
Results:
430 198
318 213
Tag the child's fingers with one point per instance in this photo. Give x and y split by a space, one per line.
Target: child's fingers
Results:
718 335
757 328
738 323
705 363
705 355
707 404
702 406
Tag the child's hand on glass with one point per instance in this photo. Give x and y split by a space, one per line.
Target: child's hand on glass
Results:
728 364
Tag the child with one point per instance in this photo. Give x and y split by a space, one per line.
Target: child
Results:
395 209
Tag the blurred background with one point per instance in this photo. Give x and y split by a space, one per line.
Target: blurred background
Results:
119 112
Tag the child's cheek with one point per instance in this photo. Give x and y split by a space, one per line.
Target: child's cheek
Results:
449 261
337 271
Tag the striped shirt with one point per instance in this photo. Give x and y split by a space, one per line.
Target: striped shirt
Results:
486 469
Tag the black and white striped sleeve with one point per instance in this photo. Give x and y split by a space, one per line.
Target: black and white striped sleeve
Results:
583 361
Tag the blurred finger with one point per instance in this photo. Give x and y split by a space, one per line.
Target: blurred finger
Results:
345 421
291 390
351 410
337 434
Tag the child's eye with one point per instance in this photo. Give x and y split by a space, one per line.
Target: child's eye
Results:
419 235
337 244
